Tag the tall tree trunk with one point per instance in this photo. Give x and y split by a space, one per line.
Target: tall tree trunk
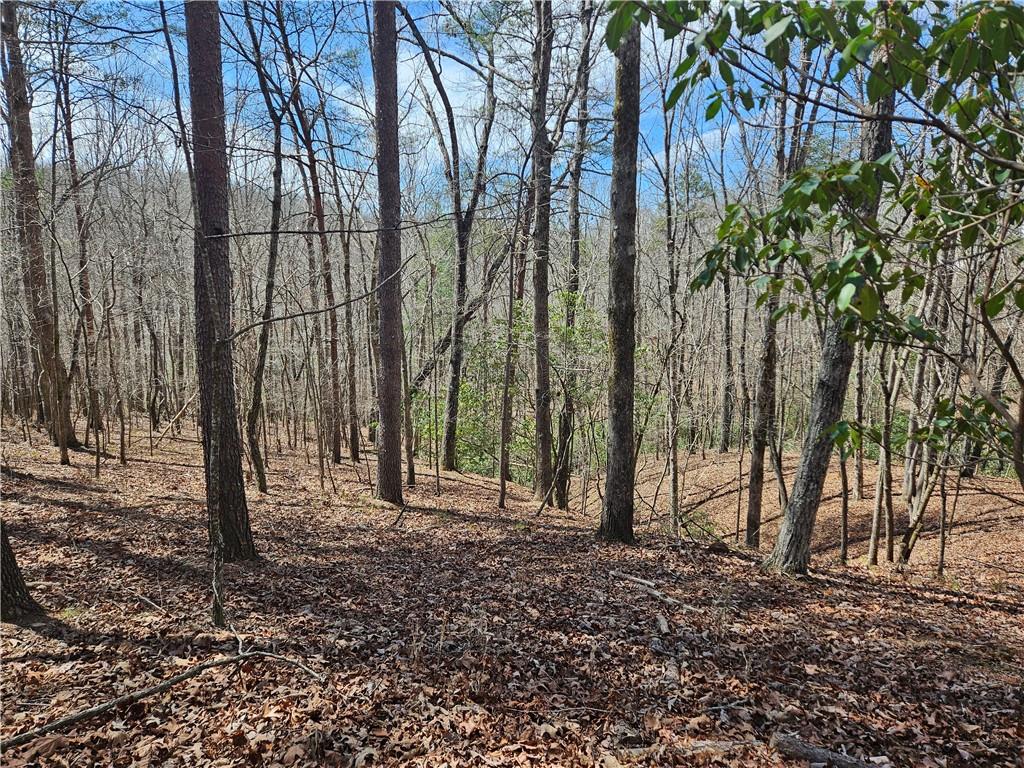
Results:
351 412
256 402
222 454
728 380
516 270
305 130
764 418
543 38
15 603
567 418
792 553
28 223
93 421
617 512
389 285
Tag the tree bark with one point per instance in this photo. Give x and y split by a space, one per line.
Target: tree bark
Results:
389 285
728 381
567 418
792 553
28 223
617 512
543 38
225 490
15 603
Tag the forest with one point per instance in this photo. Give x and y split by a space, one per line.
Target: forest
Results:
512 383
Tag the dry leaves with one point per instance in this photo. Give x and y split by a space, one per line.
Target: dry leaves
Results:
467 635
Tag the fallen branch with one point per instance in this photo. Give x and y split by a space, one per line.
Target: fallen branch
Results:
792 747
175 418
131 698
648 587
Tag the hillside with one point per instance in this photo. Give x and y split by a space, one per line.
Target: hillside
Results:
454 633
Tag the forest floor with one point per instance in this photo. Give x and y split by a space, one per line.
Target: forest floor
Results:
455 633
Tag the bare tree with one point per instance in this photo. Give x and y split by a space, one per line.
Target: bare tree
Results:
617 513
389 283
222 454
39 278
792 551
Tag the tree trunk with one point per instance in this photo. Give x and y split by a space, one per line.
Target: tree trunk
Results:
617 512
333 410
567 418
93 421
728 382
792 553
389 282
764 418
256 402
225 491
543 38
28 223
15 603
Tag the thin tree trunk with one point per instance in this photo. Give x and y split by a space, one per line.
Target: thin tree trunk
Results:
792 553
225 490
256 402
567 418
28 223
543 38
617 512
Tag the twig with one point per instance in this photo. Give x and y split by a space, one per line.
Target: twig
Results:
131 698
174 420
647 586
792 747
150 603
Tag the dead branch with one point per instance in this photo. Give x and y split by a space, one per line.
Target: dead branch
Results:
648 587
131 698
174 420
792 747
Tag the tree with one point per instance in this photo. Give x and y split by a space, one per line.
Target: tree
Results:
302 125
222 451
789 157
543 36
792 552
463 216
567 418
39 278
276 118
15 603
389 283
617 512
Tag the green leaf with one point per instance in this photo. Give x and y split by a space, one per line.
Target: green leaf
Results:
868 302
677 91
726 72
619 24
994 305
776 29
714 107
846 294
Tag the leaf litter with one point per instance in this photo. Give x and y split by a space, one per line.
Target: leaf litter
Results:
457 634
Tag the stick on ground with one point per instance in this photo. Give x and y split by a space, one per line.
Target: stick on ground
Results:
796 749
130 698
